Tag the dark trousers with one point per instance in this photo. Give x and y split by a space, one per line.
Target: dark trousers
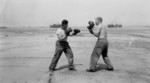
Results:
101 48
62 46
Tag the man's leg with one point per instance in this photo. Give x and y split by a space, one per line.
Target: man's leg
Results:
106 58
69 55
56 57
94 58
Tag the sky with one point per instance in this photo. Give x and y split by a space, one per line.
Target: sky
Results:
28 13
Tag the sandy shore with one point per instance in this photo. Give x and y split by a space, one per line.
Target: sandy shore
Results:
25 55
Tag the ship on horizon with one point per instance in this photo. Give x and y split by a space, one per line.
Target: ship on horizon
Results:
58 25
114 25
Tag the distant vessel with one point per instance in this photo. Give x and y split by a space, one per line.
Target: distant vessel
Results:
58 25
114 25
3 27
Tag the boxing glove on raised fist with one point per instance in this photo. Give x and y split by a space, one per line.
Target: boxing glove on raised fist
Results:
76 31
91 25
68 30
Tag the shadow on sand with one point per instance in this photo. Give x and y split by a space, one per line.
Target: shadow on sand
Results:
59 68
101 66
66 66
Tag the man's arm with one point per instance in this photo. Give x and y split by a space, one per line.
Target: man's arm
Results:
71 34
90 27
61 37
75 32
68 31
95 34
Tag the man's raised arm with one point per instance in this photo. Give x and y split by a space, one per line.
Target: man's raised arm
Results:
90 27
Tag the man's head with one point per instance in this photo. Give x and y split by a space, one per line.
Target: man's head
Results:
98 20
64 23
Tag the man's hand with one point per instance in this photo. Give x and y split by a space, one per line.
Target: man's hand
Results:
76 31
68 30
91 25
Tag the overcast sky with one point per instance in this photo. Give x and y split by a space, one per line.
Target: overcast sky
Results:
16 13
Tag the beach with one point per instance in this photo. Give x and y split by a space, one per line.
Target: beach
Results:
26 53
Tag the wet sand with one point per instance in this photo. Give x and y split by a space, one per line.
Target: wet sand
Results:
25 55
